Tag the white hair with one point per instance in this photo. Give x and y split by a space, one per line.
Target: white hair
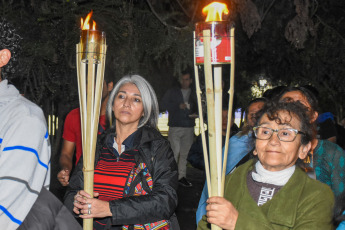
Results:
148 97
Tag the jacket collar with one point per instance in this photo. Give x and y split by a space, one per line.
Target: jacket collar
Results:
143 135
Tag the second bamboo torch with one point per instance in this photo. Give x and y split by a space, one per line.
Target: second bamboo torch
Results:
214 46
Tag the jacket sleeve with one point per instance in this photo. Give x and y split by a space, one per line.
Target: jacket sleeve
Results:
170 101
24 167
161 203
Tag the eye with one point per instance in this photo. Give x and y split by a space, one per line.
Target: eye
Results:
121 96
286 132
137 99
265 131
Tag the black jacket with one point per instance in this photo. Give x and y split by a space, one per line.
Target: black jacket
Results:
160 204
48 213
179 117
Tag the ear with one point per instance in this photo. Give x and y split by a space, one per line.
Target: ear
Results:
314 116
304 150
255 152
110 86
5 56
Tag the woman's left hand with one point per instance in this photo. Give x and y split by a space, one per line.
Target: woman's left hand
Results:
221 213
91 207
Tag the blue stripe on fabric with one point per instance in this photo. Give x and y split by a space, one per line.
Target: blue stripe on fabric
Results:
10 215
46 136
0 141
26 149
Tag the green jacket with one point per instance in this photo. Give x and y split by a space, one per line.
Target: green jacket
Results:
303 203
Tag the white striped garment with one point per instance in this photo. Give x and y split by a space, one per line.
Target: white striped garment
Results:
24 155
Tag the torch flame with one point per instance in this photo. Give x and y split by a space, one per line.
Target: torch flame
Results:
84 25
215 11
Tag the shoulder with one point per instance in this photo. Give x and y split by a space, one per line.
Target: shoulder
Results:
328 148
313 189
152 141
241 172
151 136
74 113
22 110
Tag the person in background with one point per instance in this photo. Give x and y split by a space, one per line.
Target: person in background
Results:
324 159
135 178
271 192
182 107
326 129
239 149
196 152
25 202
72 141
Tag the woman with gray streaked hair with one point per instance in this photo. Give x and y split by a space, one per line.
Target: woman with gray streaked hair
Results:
149 100
135 177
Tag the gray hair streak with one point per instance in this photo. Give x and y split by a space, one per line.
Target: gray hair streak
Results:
148 97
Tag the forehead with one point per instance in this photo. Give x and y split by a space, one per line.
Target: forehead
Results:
256 106
297 96
185 77
283 118
129 88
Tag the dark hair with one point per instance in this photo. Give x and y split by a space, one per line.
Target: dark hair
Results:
10 40
311 98
297 109
260 99
272 93
247 128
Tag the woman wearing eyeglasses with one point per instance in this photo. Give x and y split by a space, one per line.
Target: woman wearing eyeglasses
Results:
271 192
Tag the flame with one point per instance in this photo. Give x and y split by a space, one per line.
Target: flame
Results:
215 11
84 25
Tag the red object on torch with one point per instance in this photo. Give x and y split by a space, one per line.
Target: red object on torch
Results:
220 35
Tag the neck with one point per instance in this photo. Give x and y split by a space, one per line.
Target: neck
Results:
123 131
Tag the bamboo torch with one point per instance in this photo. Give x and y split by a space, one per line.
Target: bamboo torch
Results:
91 52
212 48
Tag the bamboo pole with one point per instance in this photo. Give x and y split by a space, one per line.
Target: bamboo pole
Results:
210 116
218 122
231 99
201 119
210 111
88 155
90 86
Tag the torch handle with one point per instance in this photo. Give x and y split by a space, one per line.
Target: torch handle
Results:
231 99
201 121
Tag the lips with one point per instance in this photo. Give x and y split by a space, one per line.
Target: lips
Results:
125 112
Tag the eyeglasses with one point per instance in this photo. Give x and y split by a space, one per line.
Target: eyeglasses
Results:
286 135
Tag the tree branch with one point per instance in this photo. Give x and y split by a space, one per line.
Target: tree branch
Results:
183 9
163 22
268 9
335 31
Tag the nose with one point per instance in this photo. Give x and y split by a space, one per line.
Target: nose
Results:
126 102
274 140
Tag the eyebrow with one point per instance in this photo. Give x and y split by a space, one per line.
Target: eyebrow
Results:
282 124
135 94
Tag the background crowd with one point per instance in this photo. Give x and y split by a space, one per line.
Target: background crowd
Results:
285 150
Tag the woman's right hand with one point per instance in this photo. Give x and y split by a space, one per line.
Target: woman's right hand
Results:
221 213
88 207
